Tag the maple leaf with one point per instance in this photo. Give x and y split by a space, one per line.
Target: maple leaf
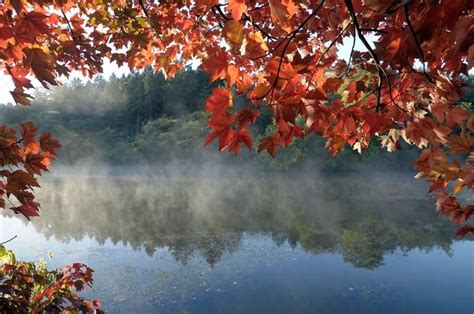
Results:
460 144
20 96
465 230
234 32
256 45
218 101
260 91
282 11
288 132
332 84
35 20
48 144
36 163
19 78
383 6
18 181
29 209
7 135
270 144
42 65
207 4
242 136
237 8
232 75
335 144
458 115
216 65
221 129
246 117
29 137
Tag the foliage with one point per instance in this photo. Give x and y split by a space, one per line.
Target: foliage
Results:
111 134
27 287
281 54
23 158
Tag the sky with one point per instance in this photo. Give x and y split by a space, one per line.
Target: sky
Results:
6 84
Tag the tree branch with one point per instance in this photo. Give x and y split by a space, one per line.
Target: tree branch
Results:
142 5
413 33
372 53
69 26
289 39
292 34
9 240
326 51
350 56
247 18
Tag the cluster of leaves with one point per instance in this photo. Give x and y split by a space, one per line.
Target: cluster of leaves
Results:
22 159
27 287
281 54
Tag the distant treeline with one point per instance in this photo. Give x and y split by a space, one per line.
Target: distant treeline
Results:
143 118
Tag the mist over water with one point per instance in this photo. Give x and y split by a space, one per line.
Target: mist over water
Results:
212 238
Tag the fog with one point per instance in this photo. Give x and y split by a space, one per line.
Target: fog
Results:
207 208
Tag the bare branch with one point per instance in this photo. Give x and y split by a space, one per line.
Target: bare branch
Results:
9 240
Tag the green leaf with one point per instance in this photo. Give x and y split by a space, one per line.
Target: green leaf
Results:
6 256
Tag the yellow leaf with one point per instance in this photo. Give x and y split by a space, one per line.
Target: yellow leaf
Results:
234 32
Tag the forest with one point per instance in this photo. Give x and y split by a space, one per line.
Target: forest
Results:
144 118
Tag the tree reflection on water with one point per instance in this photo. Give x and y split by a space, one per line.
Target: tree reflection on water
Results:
210 216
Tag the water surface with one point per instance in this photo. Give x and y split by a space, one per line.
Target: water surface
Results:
242 243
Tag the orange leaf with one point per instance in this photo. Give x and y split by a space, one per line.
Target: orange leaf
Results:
335 144
218 101
237 8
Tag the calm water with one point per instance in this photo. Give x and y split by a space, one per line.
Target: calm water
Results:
244 243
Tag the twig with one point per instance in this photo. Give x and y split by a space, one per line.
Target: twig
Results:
259 7
325 52
292 34
218 9
9 240
350 56
372 53
69 26
289 39
413 33
266 34
374 30
142 5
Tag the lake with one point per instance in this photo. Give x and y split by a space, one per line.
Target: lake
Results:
208 241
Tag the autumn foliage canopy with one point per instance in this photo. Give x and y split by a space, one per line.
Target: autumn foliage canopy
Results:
403 85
